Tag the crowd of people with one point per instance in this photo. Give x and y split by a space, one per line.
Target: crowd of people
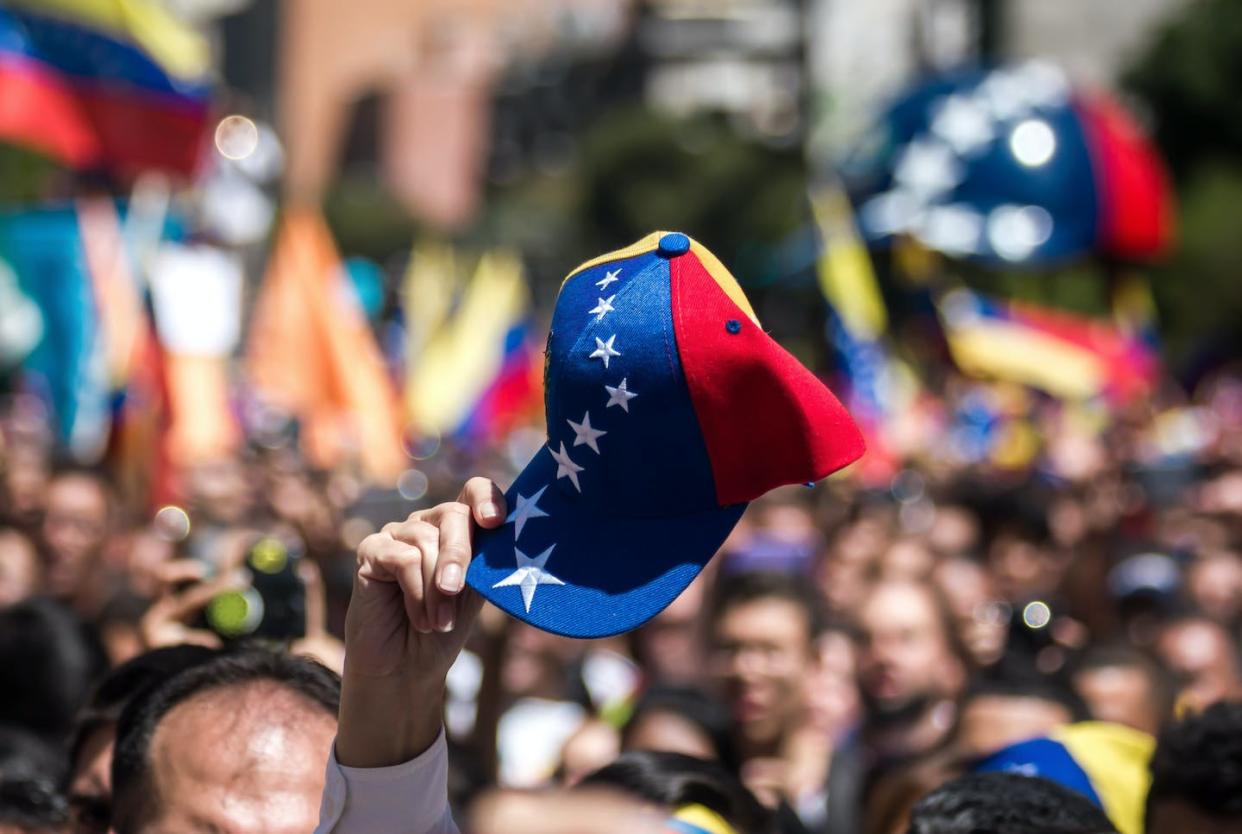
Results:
861 656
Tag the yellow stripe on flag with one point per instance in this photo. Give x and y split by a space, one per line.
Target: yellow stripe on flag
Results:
176 47
846 277
1115 759
465 355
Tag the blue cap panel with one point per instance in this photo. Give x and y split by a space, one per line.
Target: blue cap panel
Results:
585 572
651 459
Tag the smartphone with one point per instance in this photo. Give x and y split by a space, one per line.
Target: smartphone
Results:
273 607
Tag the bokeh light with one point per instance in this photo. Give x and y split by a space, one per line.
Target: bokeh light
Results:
172 523
1036 614
236 137
1033 143
412 485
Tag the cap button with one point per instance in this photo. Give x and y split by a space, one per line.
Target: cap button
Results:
673 244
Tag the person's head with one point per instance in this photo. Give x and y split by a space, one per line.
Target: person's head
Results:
46 667
1196 774
24 484
219 491
90 753
32 806
75 527
1214 582
677 719
981 617
31 771
238 743
1123 685
908 657
1012 702
1202 657
673 781
762 635
1006 802
669 646
19 567
1019 544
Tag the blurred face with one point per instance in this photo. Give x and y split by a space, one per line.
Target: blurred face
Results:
670 733
1200 653
670 644
990 722
220 491
762 652
904 657
1215 584
981 619
25 485
74 529
1024 569
242 762
19 568
1120 694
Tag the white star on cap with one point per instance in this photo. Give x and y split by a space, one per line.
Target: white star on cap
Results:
566 468
603 308
619 396
604 350
584 434
527 508
529 575
610 278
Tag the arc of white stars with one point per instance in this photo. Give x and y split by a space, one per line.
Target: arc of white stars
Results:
527 508
566 468
603 308
530 574
584 434
609 278
620 395
604 350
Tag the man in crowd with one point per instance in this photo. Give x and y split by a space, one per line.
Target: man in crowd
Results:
762 631
911 670
1122 684
75 528
236 744
1202 657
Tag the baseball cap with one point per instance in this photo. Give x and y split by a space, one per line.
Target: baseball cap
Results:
668 409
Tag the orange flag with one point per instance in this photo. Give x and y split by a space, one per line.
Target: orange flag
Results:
310 351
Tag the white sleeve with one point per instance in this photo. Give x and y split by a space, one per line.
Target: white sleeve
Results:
409 798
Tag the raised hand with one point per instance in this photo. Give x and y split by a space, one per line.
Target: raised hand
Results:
409 616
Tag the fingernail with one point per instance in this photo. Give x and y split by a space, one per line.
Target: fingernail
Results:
489 511
444 616
451 578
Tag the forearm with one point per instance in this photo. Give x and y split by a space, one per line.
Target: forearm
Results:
386 721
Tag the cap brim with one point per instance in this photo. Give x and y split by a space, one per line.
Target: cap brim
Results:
617 571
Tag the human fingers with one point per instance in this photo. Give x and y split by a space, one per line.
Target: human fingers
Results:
486 502
383 558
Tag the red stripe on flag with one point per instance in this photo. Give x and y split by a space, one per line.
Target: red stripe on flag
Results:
39 110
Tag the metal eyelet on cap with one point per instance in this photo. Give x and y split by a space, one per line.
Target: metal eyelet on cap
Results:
733 326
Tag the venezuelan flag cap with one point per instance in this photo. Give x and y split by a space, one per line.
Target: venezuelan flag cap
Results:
668 408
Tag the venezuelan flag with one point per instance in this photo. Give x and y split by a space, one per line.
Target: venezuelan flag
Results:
105 84
1065 355
478 375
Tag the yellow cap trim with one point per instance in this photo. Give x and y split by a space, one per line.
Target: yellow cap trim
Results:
719 272
647 244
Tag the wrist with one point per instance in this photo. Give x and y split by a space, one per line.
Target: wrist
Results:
387 720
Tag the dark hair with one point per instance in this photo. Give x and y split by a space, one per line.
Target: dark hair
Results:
126 682
139 720
673 780
1015 676
32 805
741 588
1199 761
691 704
46 667
30 771
1006 802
